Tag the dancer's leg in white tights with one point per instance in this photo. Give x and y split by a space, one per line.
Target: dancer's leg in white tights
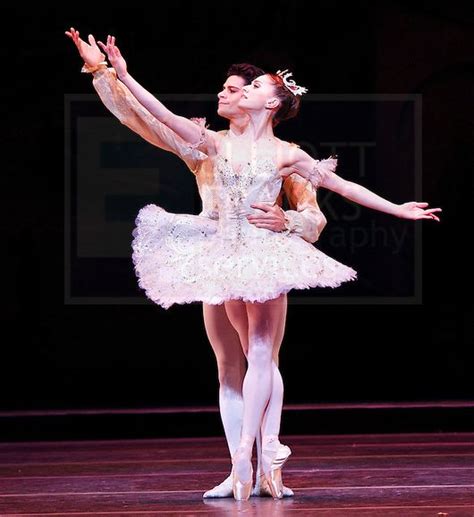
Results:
231 366
272 417
263 320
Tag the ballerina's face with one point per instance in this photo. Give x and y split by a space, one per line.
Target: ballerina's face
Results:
259 94
230 96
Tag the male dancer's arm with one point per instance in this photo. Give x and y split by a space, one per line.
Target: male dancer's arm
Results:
118 99
305 217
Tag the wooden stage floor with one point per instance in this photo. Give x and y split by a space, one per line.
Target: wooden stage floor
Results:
408 475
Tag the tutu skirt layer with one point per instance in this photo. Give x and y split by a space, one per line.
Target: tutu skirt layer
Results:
180 258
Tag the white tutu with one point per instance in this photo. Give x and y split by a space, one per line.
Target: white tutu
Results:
182 258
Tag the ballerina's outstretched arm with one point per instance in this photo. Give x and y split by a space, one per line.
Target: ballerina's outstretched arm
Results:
321 174
189 131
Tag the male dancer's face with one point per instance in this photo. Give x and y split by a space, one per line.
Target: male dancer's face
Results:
230 96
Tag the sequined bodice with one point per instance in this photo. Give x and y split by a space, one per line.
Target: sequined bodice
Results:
257 181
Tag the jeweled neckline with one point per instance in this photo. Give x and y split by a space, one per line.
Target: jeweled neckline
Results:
245 165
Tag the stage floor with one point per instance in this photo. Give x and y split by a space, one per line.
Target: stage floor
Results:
408 475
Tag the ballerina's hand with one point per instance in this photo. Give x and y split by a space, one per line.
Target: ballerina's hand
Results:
115 57
414 210
90 53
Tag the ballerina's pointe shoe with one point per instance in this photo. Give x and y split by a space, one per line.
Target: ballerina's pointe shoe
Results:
261 489
222 490
242 471
241 490
274 456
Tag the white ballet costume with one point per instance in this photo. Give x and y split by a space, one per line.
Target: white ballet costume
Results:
181 258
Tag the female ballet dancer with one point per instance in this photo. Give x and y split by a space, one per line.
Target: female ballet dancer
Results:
246 268
307 221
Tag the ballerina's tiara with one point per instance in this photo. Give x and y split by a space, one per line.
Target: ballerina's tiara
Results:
290 83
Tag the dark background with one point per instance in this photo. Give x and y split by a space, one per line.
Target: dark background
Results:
57 355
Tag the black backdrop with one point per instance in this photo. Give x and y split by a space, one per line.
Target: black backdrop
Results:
58 354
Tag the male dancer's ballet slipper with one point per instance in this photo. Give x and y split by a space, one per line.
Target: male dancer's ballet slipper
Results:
221 490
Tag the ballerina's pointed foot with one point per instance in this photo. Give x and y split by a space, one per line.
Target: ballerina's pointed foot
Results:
274 456
261 489
242 472
222 490
241 490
